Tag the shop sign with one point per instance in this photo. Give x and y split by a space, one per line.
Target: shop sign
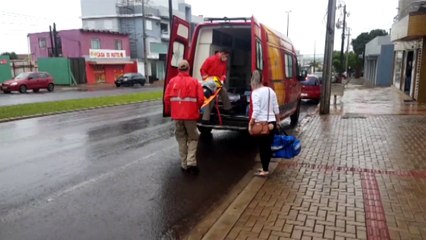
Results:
106 53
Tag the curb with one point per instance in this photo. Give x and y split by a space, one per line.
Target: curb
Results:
71 111
220 221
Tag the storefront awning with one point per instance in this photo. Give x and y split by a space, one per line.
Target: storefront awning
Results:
123 62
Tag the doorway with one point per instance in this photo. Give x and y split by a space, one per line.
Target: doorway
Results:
408 72
99 72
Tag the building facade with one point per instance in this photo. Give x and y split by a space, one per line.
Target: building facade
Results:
378 65
126 16
106 54
409 36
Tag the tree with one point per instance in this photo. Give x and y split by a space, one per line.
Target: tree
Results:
12 55
337 65
358 43
354 62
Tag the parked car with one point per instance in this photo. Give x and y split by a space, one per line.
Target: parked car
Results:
29 80
130 79
311 88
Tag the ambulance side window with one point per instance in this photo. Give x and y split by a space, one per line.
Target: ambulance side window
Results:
289 66
259 60
178 52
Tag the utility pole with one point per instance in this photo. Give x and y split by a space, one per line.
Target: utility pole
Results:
145 63
343 39
315 50
328 58
170 15
288 20
347 53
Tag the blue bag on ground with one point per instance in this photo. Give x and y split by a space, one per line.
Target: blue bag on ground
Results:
285 146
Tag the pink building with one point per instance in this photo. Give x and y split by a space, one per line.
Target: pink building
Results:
107 54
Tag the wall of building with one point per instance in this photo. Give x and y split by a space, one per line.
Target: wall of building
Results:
111 72
403 6
71 43
91 8
36 50
385 66
107 23
374 47
76 43
107 41
127 18
370 70
376 68
422 74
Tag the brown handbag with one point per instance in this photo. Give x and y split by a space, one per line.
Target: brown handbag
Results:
261 128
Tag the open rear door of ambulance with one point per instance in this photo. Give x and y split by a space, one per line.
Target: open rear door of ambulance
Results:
178 50
256 46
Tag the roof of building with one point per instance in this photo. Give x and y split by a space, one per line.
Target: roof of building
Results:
102 31
85 30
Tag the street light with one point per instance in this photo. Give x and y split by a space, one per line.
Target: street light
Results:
288 19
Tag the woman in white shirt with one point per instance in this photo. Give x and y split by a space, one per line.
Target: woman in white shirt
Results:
261 112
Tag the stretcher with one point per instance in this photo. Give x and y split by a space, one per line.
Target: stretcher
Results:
213 97
208 100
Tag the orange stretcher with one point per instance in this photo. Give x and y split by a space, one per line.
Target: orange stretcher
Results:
208 100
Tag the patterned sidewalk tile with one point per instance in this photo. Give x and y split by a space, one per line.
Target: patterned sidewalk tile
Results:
357 177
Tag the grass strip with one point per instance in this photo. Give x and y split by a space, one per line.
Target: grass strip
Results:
30 109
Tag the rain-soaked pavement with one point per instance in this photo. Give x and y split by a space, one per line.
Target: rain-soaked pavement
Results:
361 174
110 173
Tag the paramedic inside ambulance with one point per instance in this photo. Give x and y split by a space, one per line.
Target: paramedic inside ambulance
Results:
214 69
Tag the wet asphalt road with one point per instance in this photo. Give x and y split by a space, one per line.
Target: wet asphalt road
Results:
111 173
66 94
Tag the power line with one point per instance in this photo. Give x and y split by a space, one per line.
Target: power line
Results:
20 16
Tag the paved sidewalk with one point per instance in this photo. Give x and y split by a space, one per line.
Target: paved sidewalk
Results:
361 175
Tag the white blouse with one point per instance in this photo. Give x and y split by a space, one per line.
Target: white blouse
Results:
260 104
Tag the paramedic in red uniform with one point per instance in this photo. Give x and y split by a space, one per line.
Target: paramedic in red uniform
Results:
183 98
216 66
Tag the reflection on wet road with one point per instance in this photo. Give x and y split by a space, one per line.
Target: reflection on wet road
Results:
110 173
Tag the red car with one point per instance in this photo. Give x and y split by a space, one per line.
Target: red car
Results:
311 88
29 80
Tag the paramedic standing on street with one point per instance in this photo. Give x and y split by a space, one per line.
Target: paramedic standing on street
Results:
216 66
183 99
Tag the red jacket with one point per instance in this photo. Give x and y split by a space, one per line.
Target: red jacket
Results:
214 66
183 97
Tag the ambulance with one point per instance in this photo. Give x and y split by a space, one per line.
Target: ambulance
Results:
252 46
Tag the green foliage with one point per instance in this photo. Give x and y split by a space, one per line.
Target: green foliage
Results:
358 43
12 55
37 109
354 62
337 65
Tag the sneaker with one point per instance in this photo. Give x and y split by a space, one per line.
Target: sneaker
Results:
193 170
262 173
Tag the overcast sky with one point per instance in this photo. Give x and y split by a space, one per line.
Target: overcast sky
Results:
306 26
